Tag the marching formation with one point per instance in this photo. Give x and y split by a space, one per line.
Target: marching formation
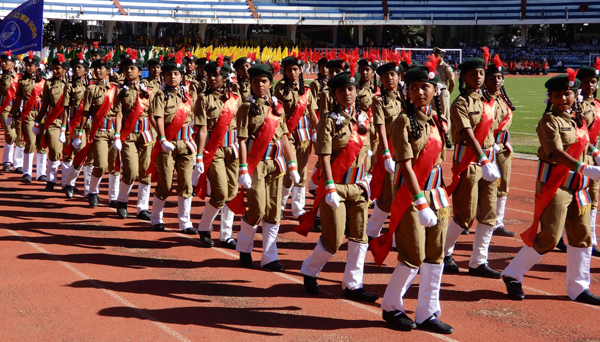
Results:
381 126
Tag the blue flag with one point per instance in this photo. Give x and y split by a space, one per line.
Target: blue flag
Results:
22 29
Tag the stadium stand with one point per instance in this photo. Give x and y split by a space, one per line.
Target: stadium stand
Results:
325 9
188 8
557 9
454 10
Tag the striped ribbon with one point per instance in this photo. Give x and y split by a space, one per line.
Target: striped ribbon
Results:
503 137
186 133
459 153
107 125
303 128
573 181
230 139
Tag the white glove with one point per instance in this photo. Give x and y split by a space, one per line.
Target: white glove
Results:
117 143
490 170
596 155
199 167
36 128
77 141
593 172
497 148
62 137
293 169
368 178
166 146
332 198
8 120
427 217
390 165
244 179
313 136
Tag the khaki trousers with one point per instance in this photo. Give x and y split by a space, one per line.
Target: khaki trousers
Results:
474 197
180 159
264 197
223 177
135 159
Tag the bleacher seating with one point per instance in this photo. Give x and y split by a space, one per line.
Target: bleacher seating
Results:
231 9
72 9
454 10
549 9
324 9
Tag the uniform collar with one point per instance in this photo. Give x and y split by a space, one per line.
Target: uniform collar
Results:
103 82
567 115
476 94
349 113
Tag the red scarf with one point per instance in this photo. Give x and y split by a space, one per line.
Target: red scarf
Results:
73 124
505 121
380 247
257 152
595 127
293 120
559 173
170 132
31 102
338 168
129 125
98 120
481 132
50 118
10 94
216 140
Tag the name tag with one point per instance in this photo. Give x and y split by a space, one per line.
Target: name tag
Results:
474 113
565 129
169 107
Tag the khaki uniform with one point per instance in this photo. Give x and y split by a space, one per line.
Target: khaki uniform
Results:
365 100
316 89
589 113
299 139
446 73
242 88
352 212
325 103
385 114
137 148
74 93
474 197
24 90
193 85
503 157
153 83
182 157
117 77
102 148
264 197
557 130
223 171
53 90
415 243
202 85
10 133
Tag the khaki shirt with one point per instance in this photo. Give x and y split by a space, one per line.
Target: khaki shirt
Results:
5 82
53 90
556 130
501 111
202 85
315 89
386 114
404 143
365 97
290 100
325 102
208 110
117 78
249 126
126 99
74 93
242 88
589 112
445 71
193 85
333 138
163 106
467 114
24 90
153 83
94 98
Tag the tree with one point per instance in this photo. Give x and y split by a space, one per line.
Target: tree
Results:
508 36
406 35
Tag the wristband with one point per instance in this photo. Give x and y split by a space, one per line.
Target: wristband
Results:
328 182
417 196
243 169
595 152
36 124
580 166
421 203
481 157
79 133
10 115
387 154
330 188
163 139
292 166
117 136
198 157
63 129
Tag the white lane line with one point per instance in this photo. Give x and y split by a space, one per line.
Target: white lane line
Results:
110 293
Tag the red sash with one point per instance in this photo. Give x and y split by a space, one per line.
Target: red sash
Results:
557 177
257 153
50 118
293 120
380 247
10 94
129 125
216 140
170 132
31 102
370 111
481 132
338 168
73 124
505 121
594 129
98 120
379 172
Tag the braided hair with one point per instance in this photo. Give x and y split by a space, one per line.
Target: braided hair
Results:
578 113
227 88
596 93
443 132
321 80
287 84
505 96
415 126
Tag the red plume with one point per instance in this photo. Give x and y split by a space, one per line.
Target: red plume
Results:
275 67
352 69
170 55
232 56
372 58
161 58
571 74
30 55
220 60
108 57
486 55
208 53
189 54
597 65
61 57
397 58
432 63
384 55
179 57
134 54
95 45
81 56
497 61
9 53
128 52
301 56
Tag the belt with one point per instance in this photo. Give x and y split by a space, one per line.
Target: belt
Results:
460 150
354 175
107 125
434 184
573 181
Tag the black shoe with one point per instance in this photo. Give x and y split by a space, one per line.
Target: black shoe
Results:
588 298
485 271
561 245
274 266
465 232
514 289
160 227
231 243
49 186
310 285
501 231
317 225
113 204
6 167
361 294
189 231
595 251
93 200
313 192
399 320
122 209
449 265
194 194
26 178
18 170
434 325
42 178
246 260
205 239
69 191
143 215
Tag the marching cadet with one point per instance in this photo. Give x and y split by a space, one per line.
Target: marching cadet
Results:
300 116
494 83
29 91
367 89
342 145
96 52
264 150
241 66
175 150
201 76
51 112
420 215
386 108
591 111
117 76
325 101
154 79
133 136
72 117
191 75
97 107
14 146
316 87
215 110
561 193
475 174
446 74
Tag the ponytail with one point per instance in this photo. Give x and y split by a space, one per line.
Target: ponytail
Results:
438 110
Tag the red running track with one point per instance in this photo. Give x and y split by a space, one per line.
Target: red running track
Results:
70 272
